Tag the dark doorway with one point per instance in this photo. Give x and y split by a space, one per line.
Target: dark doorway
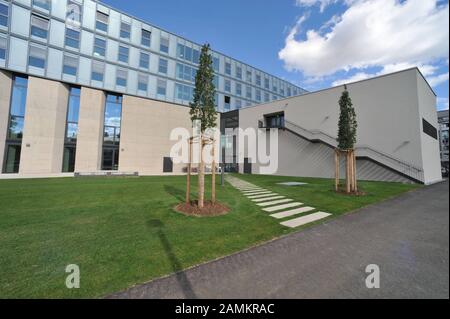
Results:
247 166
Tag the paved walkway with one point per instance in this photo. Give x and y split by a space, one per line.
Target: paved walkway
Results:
407 237
279 205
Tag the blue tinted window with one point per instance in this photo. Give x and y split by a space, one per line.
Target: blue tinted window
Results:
164 45
2 53
125 30
74 105
19 96
142 86
39 27
38 32
113 110
162 68
72 38
121 81
97 76
3 14
146 37
123 54
69 70
144 60
15 127
36 62
44 4
99 47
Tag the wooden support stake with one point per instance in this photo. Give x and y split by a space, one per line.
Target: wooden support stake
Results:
213 177
348 173
355 183
336 164
189 170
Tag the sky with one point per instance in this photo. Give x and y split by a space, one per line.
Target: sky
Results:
314 44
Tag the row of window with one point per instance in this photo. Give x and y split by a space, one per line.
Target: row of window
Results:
111 135
40 26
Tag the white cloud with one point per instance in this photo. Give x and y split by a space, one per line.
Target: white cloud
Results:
427 70
438 79
371 33
309 3
442 103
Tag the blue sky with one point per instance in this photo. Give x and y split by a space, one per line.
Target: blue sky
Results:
314 43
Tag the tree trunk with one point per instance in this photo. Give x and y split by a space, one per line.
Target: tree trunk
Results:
213 176
336 164
189 170
201 177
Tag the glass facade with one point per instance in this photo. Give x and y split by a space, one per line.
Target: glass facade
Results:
104 40
70 140
15 125
111 132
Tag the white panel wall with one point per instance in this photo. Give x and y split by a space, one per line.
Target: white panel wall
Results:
114 24
18 50
112 50
110 77
59 8
84 71
55 60
20 21
87 42
57 31
89 14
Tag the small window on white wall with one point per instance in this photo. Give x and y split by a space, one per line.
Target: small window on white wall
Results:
121 78
39 27
142 82
4 14
43 4
98 69
161 87
37 56
2 48
70 65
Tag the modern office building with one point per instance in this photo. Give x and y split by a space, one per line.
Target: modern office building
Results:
87 89
443 140
84 42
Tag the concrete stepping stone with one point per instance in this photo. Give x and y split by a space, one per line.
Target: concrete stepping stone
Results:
257 193
251 190
259 200
296 222
261 196
280 207
292 212
280 201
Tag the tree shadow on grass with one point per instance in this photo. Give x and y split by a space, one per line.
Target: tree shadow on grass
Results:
178 193
177 268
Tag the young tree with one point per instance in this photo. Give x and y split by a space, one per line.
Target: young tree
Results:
203 110
346 141
347 122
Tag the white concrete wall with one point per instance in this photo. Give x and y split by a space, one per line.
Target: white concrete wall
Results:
90 131
430 147
387 110
45 122
145 132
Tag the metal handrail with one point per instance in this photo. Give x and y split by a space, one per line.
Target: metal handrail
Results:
333 140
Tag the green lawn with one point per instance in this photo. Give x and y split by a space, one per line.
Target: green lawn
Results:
123 231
